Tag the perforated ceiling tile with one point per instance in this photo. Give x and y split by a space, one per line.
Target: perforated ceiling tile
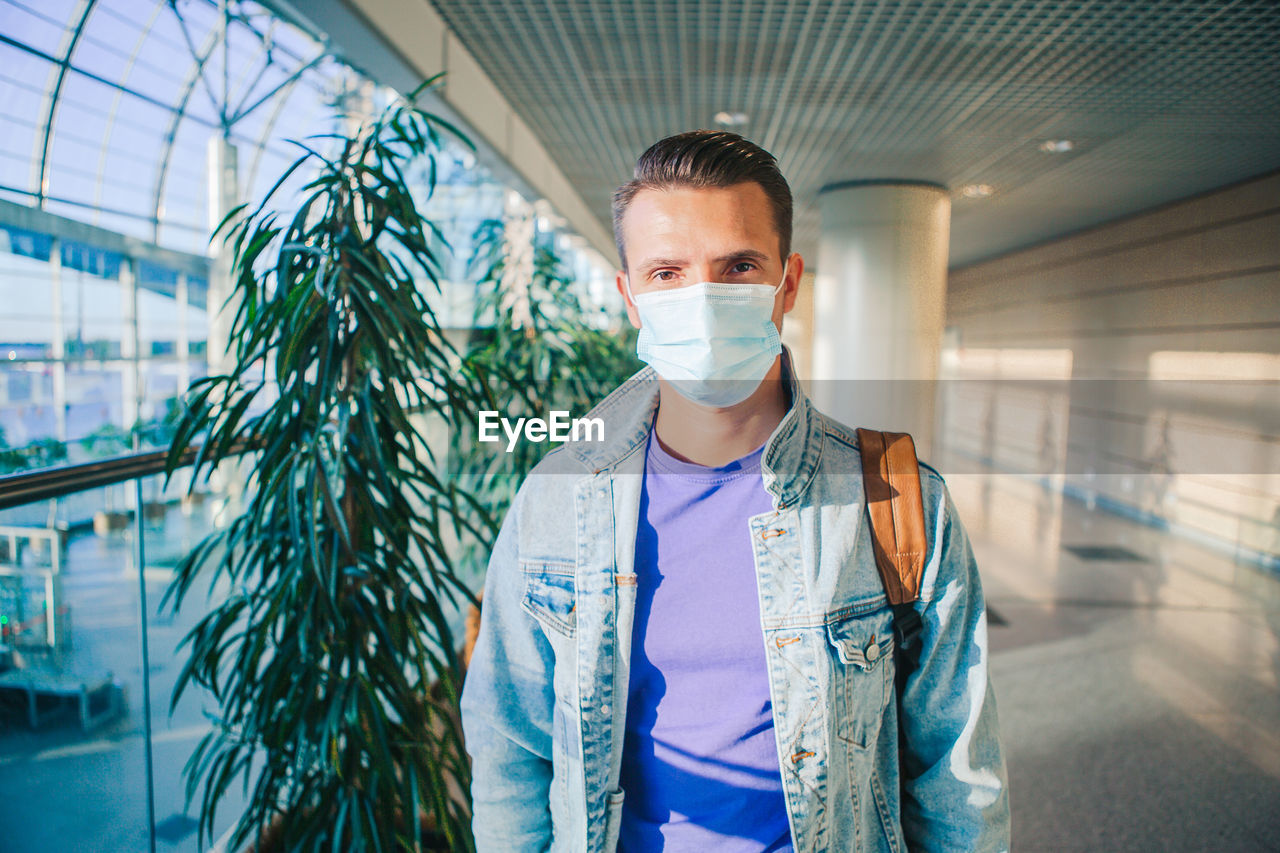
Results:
1185 93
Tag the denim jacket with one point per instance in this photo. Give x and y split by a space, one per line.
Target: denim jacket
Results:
544 702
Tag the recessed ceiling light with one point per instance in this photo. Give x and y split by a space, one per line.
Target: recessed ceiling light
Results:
730 119
977 190
1057 146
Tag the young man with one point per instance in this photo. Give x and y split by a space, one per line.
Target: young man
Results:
685 642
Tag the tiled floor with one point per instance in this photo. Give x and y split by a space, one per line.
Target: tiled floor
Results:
1139 699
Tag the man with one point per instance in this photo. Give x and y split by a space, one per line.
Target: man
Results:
685 643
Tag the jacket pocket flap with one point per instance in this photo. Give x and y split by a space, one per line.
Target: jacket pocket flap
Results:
549 594
862 641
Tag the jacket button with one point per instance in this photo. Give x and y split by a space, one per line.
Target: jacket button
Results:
873 652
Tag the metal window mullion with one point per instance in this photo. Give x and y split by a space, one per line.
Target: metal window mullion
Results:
114 111
155 102
64 63
143 642
268 127
242 111
162 174
215 34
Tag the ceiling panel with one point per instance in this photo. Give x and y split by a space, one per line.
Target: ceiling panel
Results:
1162 99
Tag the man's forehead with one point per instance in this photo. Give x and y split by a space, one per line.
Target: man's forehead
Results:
746 196
668 218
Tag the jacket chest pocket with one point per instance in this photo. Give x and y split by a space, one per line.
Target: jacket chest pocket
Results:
862 674
549 595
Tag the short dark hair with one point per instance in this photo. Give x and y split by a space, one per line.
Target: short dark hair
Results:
707 158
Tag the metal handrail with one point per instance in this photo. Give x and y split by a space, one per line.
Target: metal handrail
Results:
28 487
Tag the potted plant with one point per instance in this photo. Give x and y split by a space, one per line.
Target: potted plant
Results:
331 654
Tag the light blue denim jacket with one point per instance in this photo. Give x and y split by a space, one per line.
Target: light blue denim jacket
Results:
544 702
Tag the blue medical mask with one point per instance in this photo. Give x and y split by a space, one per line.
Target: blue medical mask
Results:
713 341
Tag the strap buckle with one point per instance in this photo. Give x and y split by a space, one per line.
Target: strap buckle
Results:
906 626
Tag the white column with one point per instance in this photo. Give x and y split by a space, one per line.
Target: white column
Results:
59 343
223 196
182 347
130 396
879 304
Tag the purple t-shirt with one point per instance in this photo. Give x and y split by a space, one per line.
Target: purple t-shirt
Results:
700 765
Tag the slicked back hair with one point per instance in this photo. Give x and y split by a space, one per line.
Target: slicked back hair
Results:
707 158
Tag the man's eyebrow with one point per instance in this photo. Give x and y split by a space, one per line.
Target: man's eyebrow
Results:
749 254
654 263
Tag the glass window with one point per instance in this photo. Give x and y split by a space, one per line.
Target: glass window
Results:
43 26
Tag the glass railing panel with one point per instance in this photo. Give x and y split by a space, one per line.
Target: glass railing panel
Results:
73 695
174 524
71 733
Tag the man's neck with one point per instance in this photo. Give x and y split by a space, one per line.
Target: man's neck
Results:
716 437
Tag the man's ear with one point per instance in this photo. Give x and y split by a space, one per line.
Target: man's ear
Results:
620 281
795 269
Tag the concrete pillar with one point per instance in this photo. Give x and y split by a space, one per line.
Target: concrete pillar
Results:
879 304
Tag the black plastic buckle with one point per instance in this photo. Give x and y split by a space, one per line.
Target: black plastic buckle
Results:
906 626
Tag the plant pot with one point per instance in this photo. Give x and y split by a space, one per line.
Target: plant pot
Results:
271 839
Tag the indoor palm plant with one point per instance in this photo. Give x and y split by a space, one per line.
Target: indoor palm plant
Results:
331 654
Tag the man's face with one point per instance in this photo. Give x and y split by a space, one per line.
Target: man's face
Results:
681 236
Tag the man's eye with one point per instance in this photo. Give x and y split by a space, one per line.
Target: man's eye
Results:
743 266
662 275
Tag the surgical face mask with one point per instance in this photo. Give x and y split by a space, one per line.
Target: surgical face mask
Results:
713 341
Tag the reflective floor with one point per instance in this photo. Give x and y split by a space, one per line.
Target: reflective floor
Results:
1137 677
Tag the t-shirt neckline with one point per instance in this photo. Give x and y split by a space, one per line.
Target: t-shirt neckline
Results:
662 462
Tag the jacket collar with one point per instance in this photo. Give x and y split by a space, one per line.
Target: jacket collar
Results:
790 455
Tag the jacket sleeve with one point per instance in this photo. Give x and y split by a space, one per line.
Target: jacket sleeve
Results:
507 702
954 782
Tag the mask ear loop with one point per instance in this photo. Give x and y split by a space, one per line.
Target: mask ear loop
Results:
784 276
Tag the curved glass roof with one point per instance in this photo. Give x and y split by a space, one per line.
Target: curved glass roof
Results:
109 107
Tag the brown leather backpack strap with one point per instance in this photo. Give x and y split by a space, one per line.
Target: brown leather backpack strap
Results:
891 480
473 631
